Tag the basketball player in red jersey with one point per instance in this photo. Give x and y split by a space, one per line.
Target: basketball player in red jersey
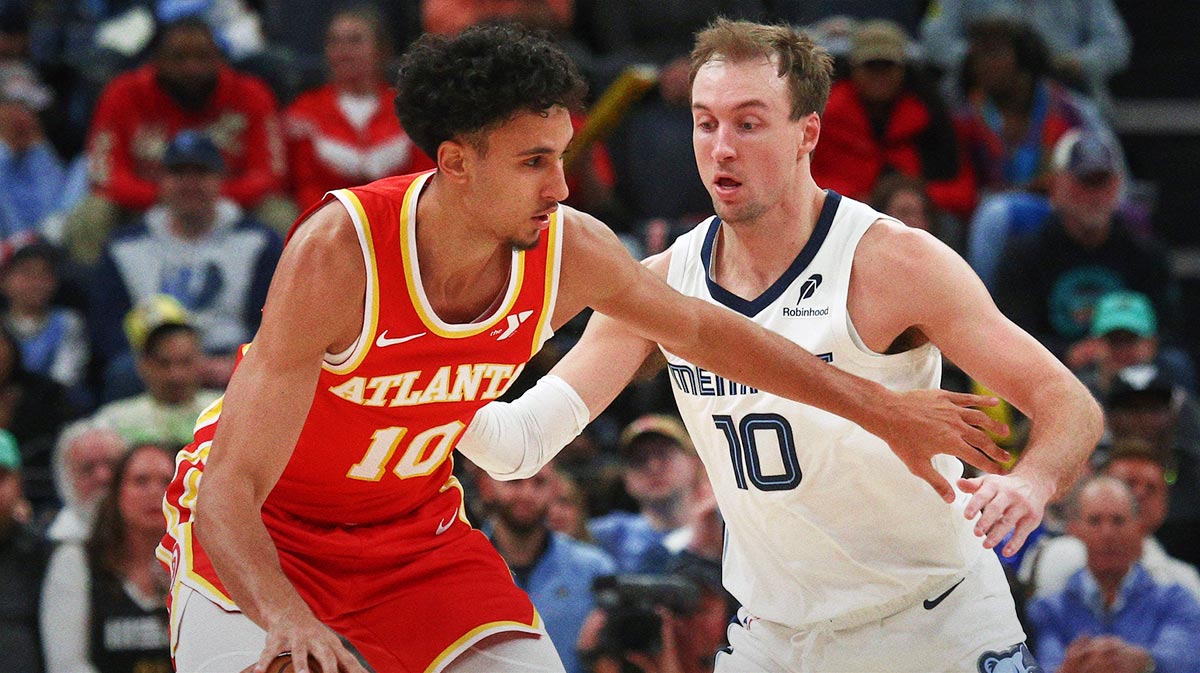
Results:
324 500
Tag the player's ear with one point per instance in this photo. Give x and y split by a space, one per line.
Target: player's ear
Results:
811 126
452 159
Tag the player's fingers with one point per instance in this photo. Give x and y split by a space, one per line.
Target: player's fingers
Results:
996 508
270 651
982 496
1025 526
924 470
983 453
969 485
347 662
300 654
981 420
970 399
1003 525
326 657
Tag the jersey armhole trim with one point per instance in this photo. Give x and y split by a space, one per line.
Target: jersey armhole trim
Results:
349 359
861 352
545 328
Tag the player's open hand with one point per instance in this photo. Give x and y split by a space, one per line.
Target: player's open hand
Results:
1006 503
302 634
923 423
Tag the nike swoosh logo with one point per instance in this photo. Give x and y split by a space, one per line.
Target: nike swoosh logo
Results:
929 605
383 339
444 526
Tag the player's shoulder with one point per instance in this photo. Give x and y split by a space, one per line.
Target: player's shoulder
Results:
328 233
890 244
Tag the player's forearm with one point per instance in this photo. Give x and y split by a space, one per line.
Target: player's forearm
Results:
230 527
771 363
1066 425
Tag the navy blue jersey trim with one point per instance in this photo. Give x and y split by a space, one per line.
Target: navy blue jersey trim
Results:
752 308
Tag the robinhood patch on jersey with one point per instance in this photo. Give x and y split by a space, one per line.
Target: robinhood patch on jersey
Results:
1016 659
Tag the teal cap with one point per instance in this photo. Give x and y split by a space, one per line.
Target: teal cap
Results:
1130 311
10 455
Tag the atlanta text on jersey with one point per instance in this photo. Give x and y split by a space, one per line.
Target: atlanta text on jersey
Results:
461 383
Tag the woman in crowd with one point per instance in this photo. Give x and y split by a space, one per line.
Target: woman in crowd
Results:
110 592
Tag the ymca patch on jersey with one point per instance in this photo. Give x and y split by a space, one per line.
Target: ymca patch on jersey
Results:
1016 659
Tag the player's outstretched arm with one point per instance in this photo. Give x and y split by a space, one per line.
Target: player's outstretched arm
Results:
946 301
315 304
602 275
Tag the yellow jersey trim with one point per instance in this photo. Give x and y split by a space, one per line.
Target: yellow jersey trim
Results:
479 633
416 291
362 226
553 261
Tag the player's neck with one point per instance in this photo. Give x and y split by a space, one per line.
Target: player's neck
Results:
459 261
750 256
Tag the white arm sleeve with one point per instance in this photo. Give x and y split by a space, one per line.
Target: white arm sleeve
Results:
513 440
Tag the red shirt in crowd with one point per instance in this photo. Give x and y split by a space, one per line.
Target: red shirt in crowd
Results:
135 119
327 151
852 157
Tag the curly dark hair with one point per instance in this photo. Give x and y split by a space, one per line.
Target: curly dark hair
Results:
458 87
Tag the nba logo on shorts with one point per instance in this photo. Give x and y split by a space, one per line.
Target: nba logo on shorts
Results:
1016 659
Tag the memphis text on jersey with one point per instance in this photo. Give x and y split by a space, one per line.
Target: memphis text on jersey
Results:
698 381
449 383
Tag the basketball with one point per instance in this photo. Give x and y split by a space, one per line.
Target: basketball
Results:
283 664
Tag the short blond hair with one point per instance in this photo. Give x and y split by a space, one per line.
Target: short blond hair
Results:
807 66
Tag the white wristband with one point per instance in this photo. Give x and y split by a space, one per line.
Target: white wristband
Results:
513 440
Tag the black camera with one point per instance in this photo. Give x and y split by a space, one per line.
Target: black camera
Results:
631 602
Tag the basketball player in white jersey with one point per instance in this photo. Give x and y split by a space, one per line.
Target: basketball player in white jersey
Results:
842 559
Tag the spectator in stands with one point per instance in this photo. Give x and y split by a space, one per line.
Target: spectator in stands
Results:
53 338
185 87
660 472
1112 616
1087 40
568 513
1144 404
33 408
885 118
1013 113
1125 333
907 199
556 570
103 606
32 176
1138 465
84 459
1049 280
196 246
23 556
652 147
170 364
345 132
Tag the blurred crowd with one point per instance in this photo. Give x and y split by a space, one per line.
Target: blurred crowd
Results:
154 153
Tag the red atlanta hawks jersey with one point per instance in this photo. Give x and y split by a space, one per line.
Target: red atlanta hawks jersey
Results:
374 452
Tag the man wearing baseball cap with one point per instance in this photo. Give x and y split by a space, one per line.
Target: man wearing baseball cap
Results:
659 467
1049 281
1124 333
195 245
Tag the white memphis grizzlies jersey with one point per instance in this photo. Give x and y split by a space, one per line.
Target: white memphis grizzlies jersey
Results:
824 524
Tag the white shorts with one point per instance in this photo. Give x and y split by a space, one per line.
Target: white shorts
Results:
972 627
212 640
